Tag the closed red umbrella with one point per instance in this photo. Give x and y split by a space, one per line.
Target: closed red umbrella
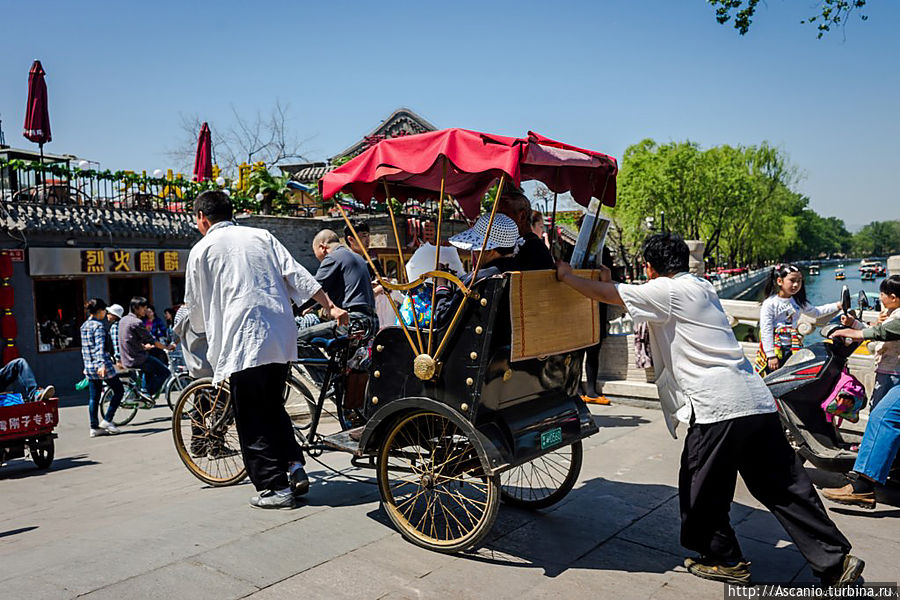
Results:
203 159
37 113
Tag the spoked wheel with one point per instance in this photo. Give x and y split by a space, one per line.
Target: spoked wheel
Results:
42 453
175 386
127 410
543 481
205 434
433 486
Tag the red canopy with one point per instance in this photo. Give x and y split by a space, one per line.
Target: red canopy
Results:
203 159
37 113
563 168
474 162
413 166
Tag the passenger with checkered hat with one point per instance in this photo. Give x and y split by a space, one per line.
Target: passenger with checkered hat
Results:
497 257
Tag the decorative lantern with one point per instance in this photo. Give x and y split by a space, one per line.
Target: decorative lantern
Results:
6 296
10 352
6 268
8 327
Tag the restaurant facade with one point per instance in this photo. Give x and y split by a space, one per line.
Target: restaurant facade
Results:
58 257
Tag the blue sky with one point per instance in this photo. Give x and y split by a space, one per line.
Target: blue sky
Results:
601 74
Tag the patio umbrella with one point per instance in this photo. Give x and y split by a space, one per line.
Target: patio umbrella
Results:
37 114
203 159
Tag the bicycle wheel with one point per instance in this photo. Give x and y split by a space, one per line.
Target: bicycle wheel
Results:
174 386
543 481
297 385
432 484
128 407
205 434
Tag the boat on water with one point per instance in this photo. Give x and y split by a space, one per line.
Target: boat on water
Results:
839 274
867 275
813 269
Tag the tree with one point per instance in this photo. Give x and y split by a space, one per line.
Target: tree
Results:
831 13
879 238
266 138
731 198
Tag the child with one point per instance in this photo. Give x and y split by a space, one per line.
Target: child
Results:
887 354
785 302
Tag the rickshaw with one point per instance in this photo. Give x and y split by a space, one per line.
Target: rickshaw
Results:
460 416
29 426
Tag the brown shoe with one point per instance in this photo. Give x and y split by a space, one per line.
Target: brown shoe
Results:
849 571
846 495
738 574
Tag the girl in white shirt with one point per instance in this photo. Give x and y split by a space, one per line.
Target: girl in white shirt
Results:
785 302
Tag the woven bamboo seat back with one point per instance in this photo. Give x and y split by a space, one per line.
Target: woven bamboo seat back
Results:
549 317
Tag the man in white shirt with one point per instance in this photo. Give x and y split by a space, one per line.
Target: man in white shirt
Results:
705 381
239 284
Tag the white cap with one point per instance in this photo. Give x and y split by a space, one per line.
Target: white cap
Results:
422 261
115 309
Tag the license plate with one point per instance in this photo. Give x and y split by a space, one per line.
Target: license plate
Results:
551 438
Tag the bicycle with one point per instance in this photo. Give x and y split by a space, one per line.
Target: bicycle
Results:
135 398
203 420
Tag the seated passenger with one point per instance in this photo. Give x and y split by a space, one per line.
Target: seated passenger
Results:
344 276
498 257
416 305
533 254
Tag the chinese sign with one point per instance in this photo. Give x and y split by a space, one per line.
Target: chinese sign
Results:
105 261
28 418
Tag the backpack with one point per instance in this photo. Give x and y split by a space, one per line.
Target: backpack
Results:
846 399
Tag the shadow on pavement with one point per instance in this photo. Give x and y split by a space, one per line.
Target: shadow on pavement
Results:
12 532
619 420
605 525
25 468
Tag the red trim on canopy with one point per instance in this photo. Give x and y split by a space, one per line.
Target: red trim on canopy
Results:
413 166
566 168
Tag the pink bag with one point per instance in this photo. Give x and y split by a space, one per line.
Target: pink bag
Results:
846 400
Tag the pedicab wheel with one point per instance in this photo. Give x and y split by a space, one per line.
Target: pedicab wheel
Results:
205 434
433 486
175 386
127 409
42 454
543 481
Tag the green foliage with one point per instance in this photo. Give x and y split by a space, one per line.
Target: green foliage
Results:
737 200
831 13
879 238
273 189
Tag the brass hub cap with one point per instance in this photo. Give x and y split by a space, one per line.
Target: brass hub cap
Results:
424 367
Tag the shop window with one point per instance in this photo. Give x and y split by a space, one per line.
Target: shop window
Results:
59 311
123 289
176 285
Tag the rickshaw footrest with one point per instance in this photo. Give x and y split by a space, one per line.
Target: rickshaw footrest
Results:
344 441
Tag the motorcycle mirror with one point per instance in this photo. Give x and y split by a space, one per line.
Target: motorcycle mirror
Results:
845 299
863 300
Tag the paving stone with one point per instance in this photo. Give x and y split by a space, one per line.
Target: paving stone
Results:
178 580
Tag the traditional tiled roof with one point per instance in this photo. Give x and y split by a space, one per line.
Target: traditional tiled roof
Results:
95 221
309 173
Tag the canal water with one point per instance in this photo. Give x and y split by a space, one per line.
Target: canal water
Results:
824 288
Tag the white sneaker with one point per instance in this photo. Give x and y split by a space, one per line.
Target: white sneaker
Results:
98 432
109 427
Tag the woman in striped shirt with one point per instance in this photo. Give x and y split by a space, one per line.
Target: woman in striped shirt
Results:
99 368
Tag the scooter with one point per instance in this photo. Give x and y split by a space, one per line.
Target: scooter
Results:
800 386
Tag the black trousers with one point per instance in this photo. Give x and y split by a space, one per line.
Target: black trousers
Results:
755 447
264 428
